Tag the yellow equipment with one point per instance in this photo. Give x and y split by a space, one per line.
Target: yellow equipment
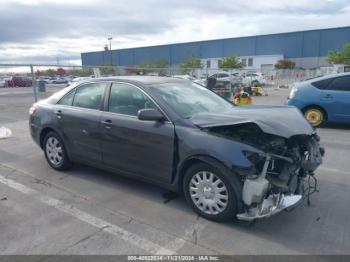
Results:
242 98
257 90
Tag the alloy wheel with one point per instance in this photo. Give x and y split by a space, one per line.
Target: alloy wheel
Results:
54 151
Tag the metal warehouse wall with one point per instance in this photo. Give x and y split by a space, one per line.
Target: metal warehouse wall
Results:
313 43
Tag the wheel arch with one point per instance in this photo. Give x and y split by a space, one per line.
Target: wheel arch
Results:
190 161
315 106
212 161
66 162
43 134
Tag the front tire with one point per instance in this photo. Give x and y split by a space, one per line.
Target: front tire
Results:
210 193
55 152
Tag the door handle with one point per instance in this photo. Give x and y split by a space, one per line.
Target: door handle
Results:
107 123
58 113
328 96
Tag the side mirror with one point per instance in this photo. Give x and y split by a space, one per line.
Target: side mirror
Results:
150 115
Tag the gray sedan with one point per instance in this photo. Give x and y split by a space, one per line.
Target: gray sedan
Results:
244 163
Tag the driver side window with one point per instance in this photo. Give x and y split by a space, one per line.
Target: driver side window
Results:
127 99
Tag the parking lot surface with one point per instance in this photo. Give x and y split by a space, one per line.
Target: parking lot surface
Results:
89 211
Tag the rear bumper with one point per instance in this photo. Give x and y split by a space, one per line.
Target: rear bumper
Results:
35 132
297 103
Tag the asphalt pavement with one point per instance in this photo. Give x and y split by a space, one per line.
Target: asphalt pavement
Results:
89 211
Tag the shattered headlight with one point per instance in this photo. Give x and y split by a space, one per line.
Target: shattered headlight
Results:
258 160
254 157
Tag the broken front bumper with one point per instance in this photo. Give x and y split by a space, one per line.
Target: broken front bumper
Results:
270 206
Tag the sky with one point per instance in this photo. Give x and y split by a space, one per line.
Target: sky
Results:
51 31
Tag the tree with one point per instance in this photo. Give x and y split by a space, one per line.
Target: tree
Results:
161 63
108 71
146 67
159 66
38 73
81 72
231 62
285 64
190 64
61 71
340 57
51 72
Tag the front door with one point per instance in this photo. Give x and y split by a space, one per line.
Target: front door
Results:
144 148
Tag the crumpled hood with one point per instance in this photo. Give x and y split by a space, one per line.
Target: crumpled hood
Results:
284 121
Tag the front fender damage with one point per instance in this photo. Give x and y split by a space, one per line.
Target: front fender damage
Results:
260 204
280 172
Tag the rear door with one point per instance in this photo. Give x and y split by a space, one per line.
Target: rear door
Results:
79 116
144 148
337 97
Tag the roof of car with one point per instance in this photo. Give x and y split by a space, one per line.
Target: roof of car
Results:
326 77
146 80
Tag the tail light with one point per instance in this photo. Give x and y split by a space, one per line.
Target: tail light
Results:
293 92
32 110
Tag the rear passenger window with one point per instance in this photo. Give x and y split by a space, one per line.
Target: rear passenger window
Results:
322 84
341 84
89 96
67 100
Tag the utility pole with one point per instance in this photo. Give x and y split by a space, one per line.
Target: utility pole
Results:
110 48
33 83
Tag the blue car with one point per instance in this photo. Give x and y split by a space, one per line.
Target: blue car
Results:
323 99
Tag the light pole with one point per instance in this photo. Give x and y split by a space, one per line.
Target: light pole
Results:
110 48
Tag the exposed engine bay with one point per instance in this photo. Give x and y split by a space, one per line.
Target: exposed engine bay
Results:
281 176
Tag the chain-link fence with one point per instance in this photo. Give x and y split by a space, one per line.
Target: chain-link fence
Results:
50 78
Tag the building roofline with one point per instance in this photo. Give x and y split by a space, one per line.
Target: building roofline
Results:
220 39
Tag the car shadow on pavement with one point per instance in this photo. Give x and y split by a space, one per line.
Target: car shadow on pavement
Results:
314 229
120 184
342 126
318 229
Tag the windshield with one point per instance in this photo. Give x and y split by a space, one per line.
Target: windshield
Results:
188 99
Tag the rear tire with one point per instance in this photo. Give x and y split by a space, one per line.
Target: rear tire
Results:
55 152
315 116
210 193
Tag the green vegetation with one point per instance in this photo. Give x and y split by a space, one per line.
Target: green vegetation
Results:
81 72
340 57
108 71
77 72
285 64
51 72
231 62
190 64
158 67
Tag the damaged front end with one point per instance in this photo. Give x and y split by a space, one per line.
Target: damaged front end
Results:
275 181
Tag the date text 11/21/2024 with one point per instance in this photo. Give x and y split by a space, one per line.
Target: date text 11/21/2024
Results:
173 258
